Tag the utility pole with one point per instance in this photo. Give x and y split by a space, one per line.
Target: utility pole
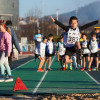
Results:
43 17
57 10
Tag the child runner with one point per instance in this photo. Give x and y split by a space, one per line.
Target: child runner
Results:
94 48
86 52
71 38
5 50
38 38
50 51
58 40
61 51
42 54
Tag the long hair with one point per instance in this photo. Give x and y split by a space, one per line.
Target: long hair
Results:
6 28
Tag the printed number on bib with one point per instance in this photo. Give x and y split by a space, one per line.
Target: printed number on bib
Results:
72 39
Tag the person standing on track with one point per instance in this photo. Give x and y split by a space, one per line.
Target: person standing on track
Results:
94 48
61 51
14 41
5 51
50 51
38 39
86 52
42 54
71 38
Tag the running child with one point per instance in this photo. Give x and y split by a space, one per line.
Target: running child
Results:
94 48
5 50
71 39
86 52
42 54
61 51
38 38
50 51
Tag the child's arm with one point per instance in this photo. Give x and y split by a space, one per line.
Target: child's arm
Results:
59 24
88 25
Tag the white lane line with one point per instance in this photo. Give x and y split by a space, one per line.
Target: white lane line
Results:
38 85
92 78
22 65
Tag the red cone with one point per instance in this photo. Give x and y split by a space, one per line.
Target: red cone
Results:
19 85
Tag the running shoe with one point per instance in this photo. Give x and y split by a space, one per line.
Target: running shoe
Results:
82 69
40 70
89 69
64 68
49 69
9 79
70 68
97 69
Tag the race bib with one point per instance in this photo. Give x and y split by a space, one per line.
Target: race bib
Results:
39 39
72 38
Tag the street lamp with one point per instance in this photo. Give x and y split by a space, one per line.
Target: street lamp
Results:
57 10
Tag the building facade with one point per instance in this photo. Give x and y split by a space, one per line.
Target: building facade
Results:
9 10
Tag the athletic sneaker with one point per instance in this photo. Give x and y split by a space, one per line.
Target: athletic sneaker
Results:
40 70
82 69
49 69
9 79
97 69
61 68
93 69
2 79
89 69
64 68
70 68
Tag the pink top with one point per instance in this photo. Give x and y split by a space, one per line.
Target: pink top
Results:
5 42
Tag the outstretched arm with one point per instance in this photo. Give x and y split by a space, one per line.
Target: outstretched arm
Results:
88 25
59 24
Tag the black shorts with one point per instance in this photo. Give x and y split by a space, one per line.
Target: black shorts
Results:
95 54
37 55
62 56
70 51
86 55
49 55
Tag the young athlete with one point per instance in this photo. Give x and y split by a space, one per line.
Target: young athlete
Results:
5 50
94 48
86 52
58 40
71 38
38 38
42 54
50 51
61 51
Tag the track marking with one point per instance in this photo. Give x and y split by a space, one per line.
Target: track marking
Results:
22 64
38 85
92 78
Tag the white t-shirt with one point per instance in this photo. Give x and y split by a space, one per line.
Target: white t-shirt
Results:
42 49
61 49
94 46
71 37
85 49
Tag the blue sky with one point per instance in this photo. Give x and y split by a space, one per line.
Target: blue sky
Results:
50 6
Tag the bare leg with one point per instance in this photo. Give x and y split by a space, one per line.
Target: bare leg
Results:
41 62
45 63
49 62
97 62
84 60
91 59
